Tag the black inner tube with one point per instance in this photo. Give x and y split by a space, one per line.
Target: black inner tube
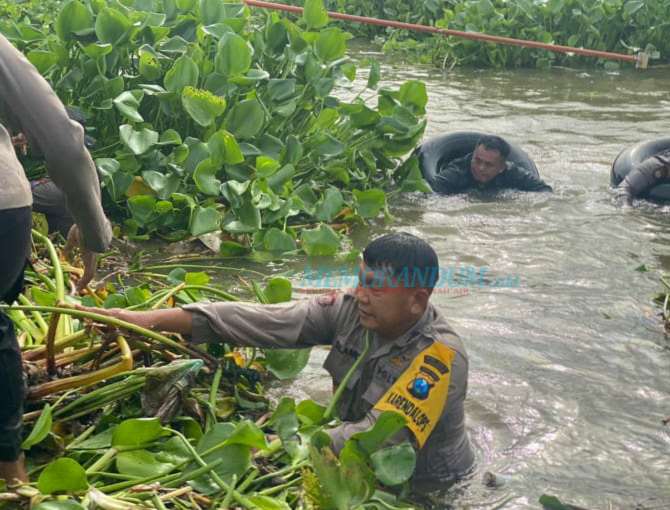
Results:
439 150
635 154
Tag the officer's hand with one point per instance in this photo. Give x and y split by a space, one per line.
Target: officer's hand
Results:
142 319
88 258
21 143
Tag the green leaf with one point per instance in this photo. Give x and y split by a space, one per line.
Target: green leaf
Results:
248 433
182 74
386 426
268 503
394 465
286 363
42 60
224 148
205 178
278 289
212 11
232 249
413 95
137 432
96 50
142 208
276 240
266 166
315 14
140 141
73 17
112 26
150 67
281 90
369 203
375 75
321 241
204 220
331 204
327 145
246 119
40 430
141 463
331 44
128 102
233 56
62 475
309 412
549 502
203 106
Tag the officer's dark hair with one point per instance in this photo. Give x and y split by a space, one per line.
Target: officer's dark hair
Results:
493 142
410 259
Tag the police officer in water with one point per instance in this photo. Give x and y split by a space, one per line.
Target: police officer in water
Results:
415 365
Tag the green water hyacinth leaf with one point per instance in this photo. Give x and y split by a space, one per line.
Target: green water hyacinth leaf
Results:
128 103
246 119
286 363
62 475
374 76
266 166
320 241
394 465
42 60
204 220
331 204
96 50
387 425
138 141
315 14
183 73
150 68
73 17
137 432
233 55
278 289
205 178
141 463
41 429
413 95
212 11
268 503
331 44
224 148
203 106
276 240
247 433
369 203
112 26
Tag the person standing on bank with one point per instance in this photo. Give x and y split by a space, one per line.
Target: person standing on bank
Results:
29 106
415 365
486 168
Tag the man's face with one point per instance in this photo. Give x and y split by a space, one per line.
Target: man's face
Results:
486 164
385 305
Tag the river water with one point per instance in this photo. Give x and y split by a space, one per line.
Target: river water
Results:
569 378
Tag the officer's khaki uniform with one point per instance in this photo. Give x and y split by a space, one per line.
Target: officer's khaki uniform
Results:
429 351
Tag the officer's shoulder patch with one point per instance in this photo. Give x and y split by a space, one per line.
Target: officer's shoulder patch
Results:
420 393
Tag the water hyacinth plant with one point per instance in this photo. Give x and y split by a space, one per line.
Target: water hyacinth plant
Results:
208 117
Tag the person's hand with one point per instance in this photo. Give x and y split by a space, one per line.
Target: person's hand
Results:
88 258
21 143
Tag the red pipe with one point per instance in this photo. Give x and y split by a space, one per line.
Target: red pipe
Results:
475 36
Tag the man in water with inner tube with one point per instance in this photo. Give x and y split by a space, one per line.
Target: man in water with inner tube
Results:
416 364
645 175
487 168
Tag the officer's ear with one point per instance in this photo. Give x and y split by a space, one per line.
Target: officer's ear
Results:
420 301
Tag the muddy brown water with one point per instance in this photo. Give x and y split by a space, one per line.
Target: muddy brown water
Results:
569 378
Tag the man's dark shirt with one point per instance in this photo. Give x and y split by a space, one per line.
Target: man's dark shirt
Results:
645 175
456 177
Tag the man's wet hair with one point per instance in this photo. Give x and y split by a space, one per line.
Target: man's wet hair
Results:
406 257
493 142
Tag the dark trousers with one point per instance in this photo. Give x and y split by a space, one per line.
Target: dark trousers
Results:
14 250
